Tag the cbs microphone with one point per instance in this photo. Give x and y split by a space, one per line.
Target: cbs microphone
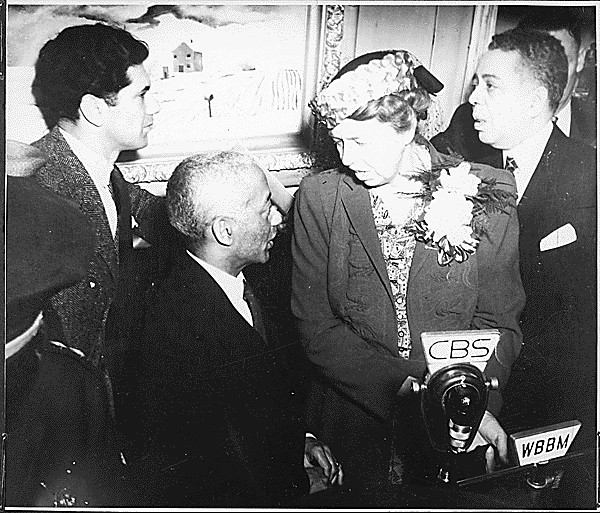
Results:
454 394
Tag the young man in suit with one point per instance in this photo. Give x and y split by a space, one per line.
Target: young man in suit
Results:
92 88
519 84
215 421
61 445
573 116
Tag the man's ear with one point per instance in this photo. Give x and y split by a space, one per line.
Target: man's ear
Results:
222 230
539 101
92 109
408 136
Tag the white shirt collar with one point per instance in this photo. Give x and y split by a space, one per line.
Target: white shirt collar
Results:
233 286
98 167
99 170
527 155
563 120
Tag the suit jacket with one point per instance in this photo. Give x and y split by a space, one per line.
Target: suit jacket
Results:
216 417
83 308
560 284
342 297
562 191
560 316
60 433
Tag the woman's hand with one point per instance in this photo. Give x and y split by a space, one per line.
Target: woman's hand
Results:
490 432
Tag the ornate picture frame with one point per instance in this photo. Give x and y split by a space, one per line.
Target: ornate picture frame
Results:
288 152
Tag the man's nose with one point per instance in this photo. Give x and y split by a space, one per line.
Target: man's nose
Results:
474 96
276 217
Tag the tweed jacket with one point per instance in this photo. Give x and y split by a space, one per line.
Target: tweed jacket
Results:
214 418
83 308
342 296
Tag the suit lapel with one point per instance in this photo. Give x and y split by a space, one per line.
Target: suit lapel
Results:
202 286
538 194
356 199
83 191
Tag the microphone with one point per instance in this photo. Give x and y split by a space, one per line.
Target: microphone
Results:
454 393
453 401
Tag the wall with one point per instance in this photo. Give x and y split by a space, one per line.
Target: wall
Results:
439 36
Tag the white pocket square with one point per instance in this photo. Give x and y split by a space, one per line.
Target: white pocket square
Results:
559 237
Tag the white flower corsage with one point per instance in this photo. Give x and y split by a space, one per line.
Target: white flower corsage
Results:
457 205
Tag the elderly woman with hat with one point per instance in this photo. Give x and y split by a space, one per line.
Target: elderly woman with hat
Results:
399 240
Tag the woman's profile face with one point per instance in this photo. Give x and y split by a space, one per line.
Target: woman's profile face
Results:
370 148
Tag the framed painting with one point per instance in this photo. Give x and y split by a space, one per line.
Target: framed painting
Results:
222 74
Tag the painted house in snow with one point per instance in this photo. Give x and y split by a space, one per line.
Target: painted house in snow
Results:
186 59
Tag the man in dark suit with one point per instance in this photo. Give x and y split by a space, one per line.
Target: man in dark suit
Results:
91 86
519 85
574 116
215 421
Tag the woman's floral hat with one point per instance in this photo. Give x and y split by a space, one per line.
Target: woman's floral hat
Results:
354 88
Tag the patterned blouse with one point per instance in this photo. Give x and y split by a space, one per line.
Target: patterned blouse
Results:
397 246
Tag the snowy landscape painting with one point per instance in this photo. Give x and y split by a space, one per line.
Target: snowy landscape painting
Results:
218 72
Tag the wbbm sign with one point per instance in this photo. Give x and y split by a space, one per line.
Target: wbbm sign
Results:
543 444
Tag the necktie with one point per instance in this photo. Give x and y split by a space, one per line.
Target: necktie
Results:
511 165
255 310
118 189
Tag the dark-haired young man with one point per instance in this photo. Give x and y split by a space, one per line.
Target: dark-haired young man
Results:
92 88
61 447
519 84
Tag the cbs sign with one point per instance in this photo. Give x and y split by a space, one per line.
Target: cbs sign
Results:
444 348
